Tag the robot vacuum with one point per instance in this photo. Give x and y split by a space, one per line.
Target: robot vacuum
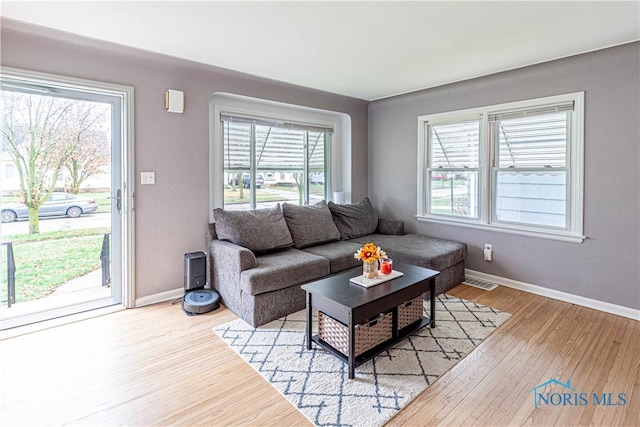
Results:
197 299
201 301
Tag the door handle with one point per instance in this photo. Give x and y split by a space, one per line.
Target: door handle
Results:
118 198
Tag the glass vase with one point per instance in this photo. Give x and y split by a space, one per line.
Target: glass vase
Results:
370 269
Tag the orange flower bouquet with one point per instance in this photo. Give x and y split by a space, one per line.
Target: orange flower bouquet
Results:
370 254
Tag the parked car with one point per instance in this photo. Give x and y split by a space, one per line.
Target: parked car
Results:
246 180
58 204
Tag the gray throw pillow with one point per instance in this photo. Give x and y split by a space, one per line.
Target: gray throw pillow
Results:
260 230
310 225
354 220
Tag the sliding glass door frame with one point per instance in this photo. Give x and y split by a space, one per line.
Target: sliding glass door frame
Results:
121 99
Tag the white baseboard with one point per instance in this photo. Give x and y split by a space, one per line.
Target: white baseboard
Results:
607 307
161 297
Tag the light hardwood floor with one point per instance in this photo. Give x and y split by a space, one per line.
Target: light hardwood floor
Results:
156 366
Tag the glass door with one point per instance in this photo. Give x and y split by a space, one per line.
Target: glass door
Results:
61 181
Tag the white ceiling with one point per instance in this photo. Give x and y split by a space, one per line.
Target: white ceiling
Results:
367 50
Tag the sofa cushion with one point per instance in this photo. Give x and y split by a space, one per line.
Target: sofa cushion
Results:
339 254
279 270
423 251
390 226
260 230
354 220
310 225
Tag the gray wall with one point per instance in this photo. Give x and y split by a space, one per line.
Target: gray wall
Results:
171 216
604 267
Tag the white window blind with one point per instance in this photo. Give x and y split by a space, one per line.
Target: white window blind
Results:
274 123
276 148
532 141
272 158
523 112
455 145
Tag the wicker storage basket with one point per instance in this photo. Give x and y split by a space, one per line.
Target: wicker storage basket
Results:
409 312
368 335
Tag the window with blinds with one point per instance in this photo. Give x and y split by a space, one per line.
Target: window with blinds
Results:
531 167
268 161
453 168
514 167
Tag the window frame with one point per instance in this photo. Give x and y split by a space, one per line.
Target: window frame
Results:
445 120
123 259
339 169
488 157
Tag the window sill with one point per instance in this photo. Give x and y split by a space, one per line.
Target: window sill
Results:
551 235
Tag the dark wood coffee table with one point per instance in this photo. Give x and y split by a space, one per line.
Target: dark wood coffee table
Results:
352 304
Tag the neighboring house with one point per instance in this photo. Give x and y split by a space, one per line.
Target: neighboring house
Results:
8 175
10 181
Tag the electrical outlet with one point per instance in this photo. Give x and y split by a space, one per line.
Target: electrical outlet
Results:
488 252
147 178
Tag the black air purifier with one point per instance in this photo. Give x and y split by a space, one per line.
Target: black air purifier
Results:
196 298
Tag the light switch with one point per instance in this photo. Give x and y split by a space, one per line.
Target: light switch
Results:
147 177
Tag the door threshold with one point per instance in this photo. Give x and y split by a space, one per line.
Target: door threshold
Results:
59 321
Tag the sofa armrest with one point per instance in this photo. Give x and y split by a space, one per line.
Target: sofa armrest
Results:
226 262
229 256
390 226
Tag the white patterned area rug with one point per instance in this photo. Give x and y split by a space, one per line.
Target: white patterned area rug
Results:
317 383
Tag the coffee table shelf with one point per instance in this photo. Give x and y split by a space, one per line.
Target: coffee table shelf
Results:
352 304
373 352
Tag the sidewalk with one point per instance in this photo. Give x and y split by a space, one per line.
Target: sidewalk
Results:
82 283
82 289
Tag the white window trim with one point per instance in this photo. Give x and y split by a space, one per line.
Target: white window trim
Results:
339 153
484 222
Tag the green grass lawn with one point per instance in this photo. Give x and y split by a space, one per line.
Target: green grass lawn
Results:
232 197
47 260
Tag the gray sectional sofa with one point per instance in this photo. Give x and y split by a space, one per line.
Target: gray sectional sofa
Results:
258 259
